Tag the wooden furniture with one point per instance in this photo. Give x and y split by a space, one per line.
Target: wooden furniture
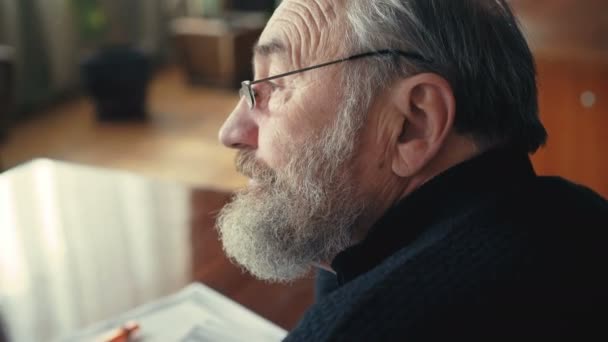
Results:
81 244
574 108
565 29
217 51
568 38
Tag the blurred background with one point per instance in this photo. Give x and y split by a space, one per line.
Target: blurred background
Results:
144 85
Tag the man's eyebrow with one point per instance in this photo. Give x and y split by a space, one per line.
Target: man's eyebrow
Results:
267 49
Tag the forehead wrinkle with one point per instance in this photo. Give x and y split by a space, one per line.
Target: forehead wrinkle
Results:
310 24
328 23
291 30
310 30
308 40
327 11
315 22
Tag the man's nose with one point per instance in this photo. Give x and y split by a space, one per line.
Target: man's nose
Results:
240 130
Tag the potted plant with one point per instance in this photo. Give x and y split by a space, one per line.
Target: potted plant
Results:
114 73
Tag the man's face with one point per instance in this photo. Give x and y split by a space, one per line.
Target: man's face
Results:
289 109
296 146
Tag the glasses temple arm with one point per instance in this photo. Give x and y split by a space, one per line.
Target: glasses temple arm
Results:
363 55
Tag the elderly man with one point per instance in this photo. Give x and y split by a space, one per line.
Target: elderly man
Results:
387 142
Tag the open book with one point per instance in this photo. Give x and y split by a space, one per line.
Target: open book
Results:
195 314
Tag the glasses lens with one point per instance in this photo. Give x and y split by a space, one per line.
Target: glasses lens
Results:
246 93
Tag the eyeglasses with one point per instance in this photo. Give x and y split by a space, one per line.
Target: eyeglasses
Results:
249 94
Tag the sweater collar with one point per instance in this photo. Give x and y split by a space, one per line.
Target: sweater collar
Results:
445 196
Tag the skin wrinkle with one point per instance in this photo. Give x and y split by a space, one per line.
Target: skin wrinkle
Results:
304 107
323 16
310 24
307 18
299 107
328 10
308 44
300 31
387 127
288 28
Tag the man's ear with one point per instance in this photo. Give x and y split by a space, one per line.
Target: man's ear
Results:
427 104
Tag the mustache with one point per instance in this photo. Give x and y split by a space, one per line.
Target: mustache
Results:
247 164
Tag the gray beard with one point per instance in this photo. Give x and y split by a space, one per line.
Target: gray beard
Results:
304 214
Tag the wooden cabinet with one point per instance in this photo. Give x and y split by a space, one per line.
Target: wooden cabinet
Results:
574 108
214 52
568 37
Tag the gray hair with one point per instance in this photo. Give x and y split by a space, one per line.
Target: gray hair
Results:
476 45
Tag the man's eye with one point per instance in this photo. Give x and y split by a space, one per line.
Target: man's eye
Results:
255 93
273 86
263 91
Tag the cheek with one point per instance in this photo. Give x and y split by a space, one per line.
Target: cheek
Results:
292 123
374 155
273 140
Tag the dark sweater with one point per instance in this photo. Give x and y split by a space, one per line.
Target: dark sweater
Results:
485 251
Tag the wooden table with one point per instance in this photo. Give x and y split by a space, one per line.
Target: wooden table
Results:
80 244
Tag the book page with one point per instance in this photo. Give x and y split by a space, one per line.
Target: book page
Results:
195 314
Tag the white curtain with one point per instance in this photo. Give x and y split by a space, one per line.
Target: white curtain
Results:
60 40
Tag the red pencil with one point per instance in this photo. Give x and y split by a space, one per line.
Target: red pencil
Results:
126 333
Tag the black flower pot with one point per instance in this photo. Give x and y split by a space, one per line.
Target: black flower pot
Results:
117 79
